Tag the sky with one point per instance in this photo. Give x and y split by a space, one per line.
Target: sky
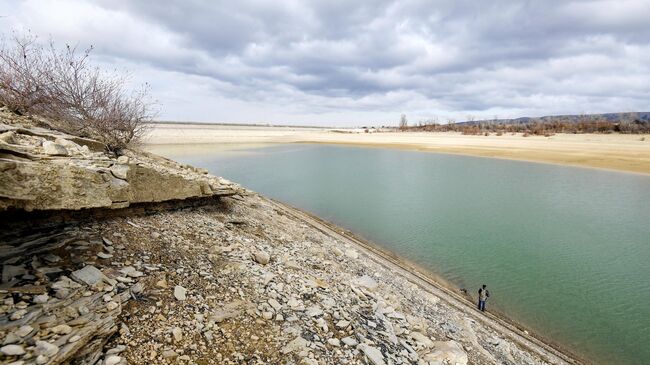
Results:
347 63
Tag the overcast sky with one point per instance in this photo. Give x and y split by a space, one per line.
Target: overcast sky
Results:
335 62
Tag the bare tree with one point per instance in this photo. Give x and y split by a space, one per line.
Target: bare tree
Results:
403 123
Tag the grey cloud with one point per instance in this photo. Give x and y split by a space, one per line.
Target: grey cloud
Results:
436 57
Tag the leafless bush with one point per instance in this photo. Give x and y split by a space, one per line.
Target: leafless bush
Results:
79 98
23 74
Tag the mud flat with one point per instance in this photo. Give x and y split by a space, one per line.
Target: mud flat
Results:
608 151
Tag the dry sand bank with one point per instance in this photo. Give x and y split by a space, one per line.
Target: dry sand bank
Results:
609 151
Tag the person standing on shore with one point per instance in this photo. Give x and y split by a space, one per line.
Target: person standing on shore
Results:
483 295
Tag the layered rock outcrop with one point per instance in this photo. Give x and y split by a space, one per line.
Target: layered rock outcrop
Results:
41 169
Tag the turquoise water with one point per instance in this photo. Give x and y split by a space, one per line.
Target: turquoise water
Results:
563 250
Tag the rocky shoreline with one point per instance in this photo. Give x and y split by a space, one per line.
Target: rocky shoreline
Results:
209 276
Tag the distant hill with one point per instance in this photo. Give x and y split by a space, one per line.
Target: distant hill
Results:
569 118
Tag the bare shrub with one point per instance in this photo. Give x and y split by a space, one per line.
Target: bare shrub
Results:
77 97
23 73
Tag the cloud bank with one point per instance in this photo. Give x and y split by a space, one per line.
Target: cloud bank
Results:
339 63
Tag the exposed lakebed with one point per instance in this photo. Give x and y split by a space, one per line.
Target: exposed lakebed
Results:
563 250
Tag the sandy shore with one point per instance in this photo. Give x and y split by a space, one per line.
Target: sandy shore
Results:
607 151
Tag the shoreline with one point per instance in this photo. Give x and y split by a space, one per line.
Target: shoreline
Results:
612 152
438 286
407 147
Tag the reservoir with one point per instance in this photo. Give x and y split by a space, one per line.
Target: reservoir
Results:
563 250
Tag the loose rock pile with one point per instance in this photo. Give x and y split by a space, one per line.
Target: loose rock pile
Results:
63 303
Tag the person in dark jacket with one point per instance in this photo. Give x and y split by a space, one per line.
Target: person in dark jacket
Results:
483 295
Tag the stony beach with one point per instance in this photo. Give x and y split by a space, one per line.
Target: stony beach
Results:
135 259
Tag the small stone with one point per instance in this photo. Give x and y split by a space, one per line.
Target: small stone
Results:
267 315
275 304
46 349
337 251
342 324
74 338
350 341
424 340
66 143
11 271
42 359
123 159
297 345
64 282
449 351
162 284
314 311
11 338
334 342
12 350
17 315
40 299
373 354
111 305
62 293
137 288
116 350
112 360
155 235
54 149
89 275
180 292
62 329
167 354
24 330
8 137
353 254
262 257
103 255
120 171
366 282
178 334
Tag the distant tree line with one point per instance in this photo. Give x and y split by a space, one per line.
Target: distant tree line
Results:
629 123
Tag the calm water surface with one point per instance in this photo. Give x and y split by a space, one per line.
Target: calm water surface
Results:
563 250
